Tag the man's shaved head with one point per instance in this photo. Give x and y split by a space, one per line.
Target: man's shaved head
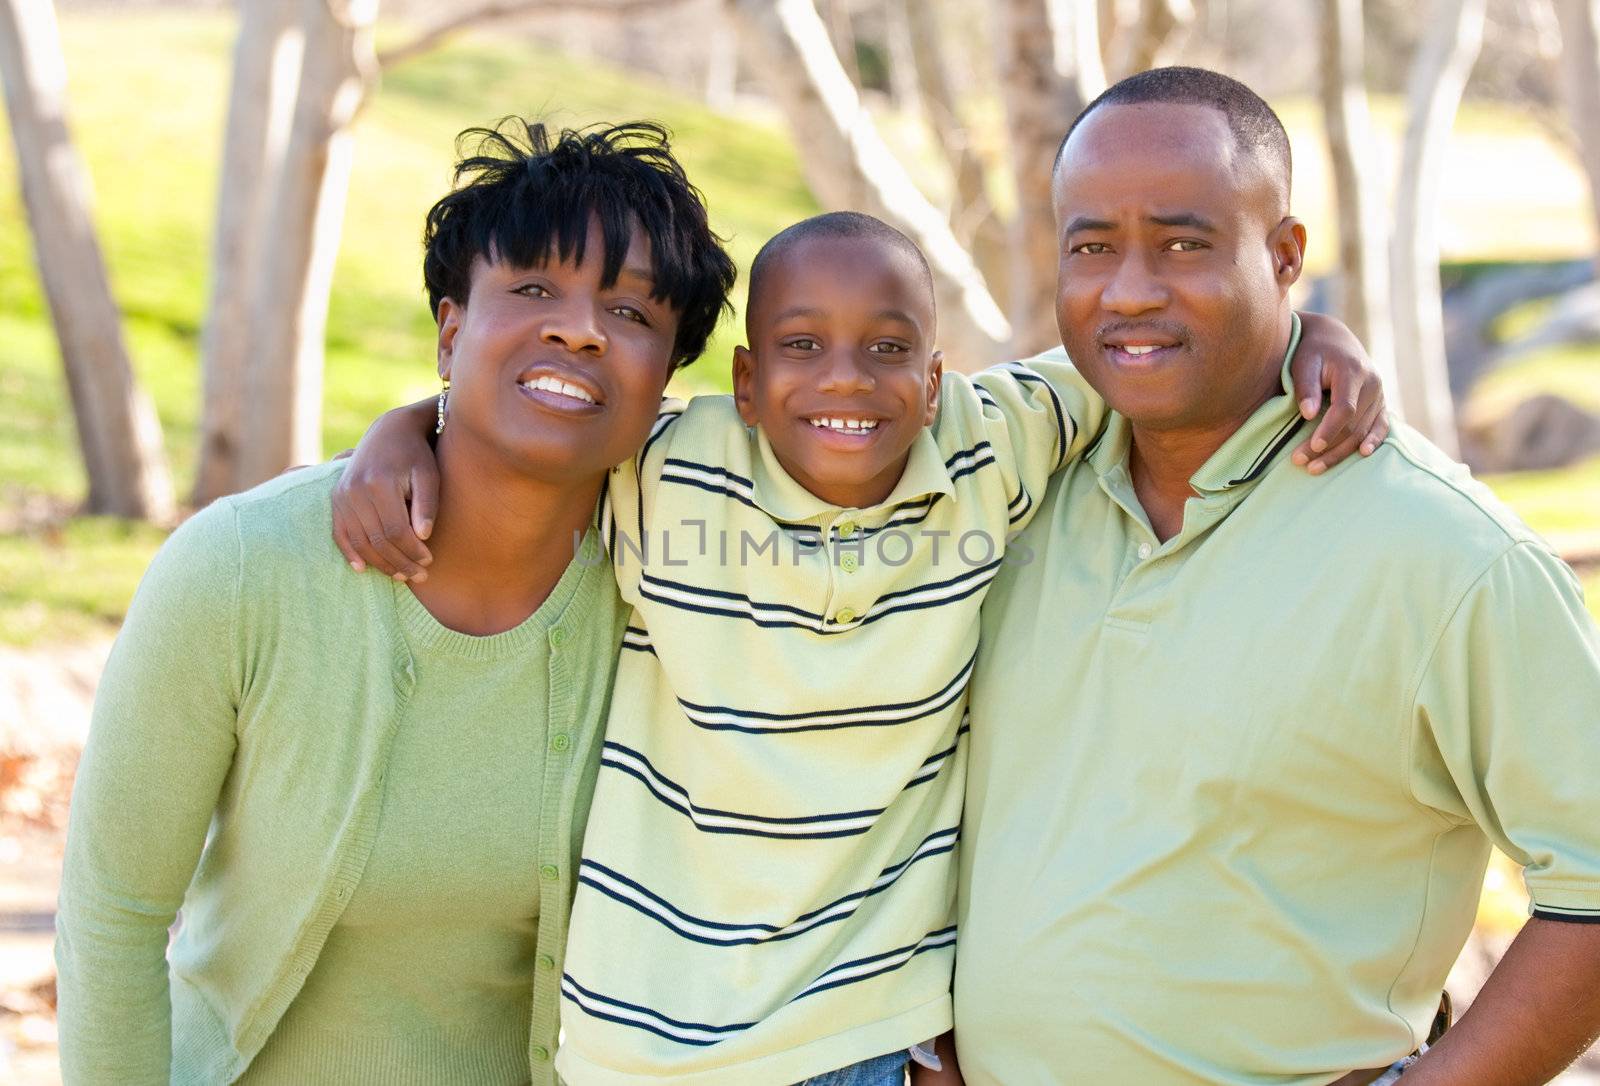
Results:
1257 131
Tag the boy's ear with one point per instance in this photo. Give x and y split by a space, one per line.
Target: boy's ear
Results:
744 384
449 324
935 379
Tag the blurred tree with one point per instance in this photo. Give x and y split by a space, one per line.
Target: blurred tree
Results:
1042 95
1439 74
118 431
1580 65
289 305
848 165
1363 257
266 61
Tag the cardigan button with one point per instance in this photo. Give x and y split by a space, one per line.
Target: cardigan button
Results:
539 1052
550 872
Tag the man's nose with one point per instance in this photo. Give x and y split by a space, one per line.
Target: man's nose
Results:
844 373
576 325
1133 288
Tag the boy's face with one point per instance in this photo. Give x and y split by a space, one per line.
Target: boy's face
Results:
555 375
840 371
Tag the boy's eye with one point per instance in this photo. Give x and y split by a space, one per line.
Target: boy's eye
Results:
885 347
801 343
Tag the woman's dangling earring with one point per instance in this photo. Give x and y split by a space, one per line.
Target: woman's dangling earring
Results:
443 393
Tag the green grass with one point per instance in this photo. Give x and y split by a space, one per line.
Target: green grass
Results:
148 94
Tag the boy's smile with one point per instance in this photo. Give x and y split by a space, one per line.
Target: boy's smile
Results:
840 373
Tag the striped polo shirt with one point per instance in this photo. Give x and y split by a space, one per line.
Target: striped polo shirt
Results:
767 889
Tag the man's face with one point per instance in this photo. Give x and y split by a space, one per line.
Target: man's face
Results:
840 372
560 378
1176 260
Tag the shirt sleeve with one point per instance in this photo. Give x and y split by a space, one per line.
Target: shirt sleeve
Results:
161 741
1036 416
1506 726
627 498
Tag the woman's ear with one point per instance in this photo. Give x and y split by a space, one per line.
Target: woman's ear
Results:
449 317
744 384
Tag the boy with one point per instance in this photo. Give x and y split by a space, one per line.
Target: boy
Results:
768 884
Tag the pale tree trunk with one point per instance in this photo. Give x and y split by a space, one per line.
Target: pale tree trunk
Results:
902 60
1077 34
290 309
117 426
1363 256
1040 103
266 67
972 213
836 16
1580 63
848 165
1445 56
1148 27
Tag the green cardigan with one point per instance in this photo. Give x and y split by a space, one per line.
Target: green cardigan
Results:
235 768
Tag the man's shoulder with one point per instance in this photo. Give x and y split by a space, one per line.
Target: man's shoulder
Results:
1412 497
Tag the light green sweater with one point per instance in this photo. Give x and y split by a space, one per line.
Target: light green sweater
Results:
236 767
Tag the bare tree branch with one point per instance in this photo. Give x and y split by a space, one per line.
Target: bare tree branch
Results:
495 10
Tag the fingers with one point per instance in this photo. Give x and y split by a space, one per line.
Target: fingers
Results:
1377 433
385 539
424 504
341 539
1334 453
1308 385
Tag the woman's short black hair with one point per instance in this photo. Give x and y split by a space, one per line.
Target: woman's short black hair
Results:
525 193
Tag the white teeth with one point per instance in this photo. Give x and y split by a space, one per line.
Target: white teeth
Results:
559 387
846 426
1140 350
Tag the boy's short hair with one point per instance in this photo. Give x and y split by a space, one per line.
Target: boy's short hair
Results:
529 194
835 224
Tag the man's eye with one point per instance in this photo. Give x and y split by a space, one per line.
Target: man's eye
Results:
1186 245
801 343
532 290
1092 248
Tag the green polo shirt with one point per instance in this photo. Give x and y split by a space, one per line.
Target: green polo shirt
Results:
1231 796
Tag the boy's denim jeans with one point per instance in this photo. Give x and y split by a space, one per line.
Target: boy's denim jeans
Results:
887 1070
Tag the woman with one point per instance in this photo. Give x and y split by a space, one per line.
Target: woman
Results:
367 797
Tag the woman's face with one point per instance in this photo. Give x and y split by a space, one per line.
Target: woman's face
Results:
554 375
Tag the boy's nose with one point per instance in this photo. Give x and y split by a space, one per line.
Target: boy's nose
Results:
843 373
577 327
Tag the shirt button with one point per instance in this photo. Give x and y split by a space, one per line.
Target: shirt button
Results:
844 616
546 962
847 529
849 562
560 742
539 1052
1144 551
549 872
558 637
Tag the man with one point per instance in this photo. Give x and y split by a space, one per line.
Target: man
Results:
1229 809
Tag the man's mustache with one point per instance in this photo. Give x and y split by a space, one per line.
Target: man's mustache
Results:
1154 329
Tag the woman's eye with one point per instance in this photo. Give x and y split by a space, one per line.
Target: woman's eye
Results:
629 313
532 290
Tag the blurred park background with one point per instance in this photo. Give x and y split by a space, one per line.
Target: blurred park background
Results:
210 220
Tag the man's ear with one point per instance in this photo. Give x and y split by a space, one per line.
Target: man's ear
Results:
935 379
744 384
449 318
1288 246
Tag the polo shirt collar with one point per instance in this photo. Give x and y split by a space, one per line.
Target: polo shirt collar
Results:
778 495
1247 453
